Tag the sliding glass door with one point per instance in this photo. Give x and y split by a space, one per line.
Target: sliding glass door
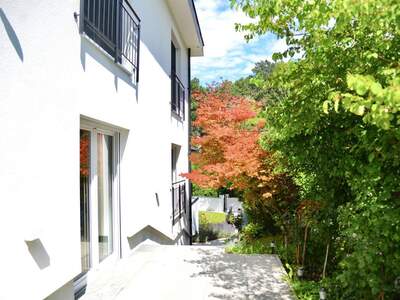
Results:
98 161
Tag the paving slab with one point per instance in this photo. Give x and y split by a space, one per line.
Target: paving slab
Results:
158 272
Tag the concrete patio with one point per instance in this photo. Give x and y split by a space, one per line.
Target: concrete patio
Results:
157 272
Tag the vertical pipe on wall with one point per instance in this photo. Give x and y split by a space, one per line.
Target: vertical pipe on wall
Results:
138 53
81 15
189 145
117 31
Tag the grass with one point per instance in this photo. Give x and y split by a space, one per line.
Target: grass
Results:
305 290
210 217
258 246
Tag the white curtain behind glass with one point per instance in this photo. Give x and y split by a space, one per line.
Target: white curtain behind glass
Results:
104 171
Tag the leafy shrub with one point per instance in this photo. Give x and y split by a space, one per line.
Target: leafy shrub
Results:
207 233
206 192
238 221
306 290
229 218
262 217
252 231
258 246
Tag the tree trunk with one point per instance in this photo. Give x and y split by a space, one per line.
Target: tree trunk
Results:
298 254
304 245
326 261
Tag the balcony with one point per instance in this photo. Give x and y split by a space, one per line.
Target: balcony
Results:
178 97
178 199
115 27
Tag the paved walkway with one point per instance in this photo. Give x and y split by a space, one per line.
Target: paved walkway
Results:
190 273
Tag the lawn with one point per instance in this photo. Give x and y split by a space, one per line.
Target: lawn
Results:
210 217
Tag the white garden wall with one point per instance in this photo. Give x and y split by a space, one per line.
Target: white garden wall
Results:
201 203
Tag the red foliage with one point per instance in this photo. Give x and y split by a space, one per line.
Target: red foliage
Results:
230 155
229 148
84 154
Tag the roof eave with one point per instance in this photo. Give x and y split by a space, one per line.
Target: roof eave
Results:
185 15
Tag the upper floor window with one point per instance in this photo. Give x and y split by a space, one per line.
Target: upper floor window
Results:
115 27
177 88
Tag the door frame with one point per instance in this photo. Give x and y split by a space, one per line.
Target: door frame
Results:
95 265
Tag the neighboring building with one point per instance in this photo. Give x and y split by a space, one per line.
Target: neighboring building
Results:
95 132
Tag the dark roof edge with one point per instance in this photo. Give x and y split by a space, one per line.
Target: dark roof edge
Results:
194 12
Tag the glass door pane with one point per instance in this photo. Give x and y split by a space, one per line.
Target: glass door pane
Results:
84 198
105 177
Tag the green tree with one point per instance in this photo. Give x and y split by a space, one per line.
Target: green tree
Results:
248 87
335 126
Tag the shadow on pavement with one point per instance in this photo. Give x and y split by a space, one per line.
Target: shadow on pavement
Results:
236 276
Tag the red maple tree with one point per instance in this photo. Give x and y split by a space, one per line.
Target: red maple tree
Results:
230 155
229 152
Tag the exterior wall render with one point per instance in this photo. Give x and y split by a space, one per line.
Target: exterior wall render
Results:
52 78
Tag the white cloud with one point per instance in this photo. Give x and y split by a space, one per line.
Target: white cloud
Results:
218 27
226 53
279 46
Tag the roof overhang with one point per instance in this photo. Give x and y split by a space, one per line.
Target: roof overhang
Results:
184 13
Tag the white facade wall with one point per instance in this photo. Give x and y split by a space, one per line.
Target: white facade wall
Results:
50 78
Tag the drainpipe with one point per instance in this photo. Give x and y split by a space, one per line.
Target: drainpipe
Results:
189 146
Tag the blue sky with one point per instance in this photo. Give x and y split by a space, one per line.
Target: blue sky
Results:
226 53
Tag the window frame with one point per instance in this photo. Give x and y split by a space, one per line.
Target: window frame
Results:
178 90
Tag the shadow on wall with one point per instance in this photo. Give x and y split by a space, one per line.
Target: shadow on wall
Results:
87 48
38 253
148 233
12 35
152 42
237 277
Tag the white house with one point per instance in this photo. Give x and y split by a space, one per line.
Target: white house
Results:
94 98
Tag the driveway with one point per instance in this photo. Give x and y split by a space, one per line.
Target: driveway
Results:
157 272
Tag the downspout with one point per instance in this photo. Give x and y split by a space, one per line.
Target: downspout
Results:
189 145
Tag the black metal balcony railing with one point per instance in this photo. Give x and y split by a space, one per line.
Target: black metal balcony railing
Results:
130 32
178 97
115 27
178 198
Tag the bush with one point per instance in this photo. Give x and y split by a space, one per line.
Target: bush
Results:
261 217
252 231
306 290
206 192
207 233
257 246
238 221
235 220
